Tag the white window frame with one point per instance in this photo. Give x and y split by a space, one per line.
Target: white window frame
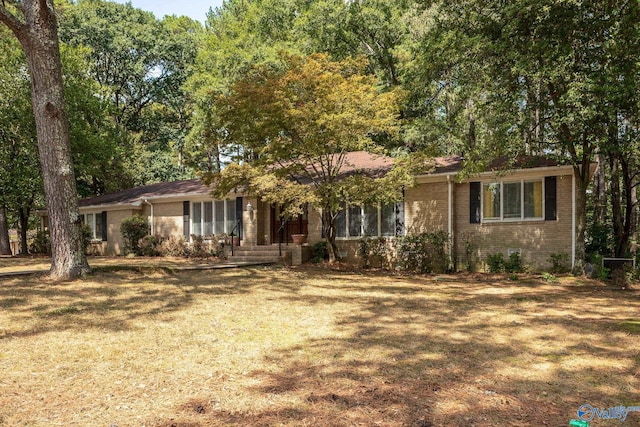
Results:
213 215
522 217
347 215
93 224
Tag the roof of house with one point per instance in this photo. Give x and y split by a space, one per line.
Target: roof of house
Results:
139 194
374 165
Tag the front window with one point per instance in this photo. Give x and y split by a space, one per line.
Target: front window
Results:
370 221
94 222
512 200
213 217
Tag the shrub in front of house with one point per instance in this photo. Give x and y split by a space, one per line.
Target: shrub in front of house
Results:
149 246
495 263
373 252
198 248
319 252
173 246
133 229
559 262
41 243
422 253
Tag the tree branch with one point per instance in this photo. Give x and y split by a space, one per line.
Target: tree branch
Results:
18 28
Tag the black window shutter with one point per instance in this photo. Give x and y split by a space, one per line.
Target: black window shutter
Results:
550 198
399 210
239 216
185 219
104 226
474 202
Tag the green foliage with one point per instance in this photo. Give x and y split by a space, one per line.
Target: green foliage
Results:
423 253
559 262
496 263
599 239
148 246
550 278
514 263
373 251
133 229
297 120
41 243
87 237
319 252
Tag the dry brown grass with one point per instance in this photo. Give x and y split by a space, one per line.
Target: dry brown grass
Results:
312 347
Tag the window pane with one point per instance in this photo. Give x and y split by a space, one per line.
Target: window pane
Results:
341 224
219 217
512 205
98 231
355 221
197 219
491 200
90 223
208 218
533 199
388 220
231 216
370 220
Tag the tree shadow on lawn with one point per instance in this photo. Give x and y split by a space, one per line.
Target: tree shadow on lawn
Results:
113 298
491 354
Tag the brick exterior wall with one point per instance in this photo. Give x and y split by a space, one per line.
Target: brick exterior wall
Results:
426 207
537 240
167 218
114 241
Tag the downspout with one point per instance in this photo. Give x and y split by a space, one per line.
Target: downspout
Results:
573 221
151 217
450 220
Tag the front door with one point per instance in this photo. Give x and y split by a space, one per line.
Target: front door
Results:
297 225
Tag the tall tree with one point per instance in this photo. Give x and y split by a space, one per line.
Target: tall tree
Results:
140 64
34 24
297 121
537 73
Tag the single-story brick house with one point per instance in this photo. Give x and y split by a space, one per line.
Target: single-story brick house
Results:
529 209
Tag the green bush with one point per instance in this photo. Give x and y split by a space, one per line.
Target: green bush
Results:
132 230
559 262
514 263
148 246
373 251
496 263
319 252
423 253
41 243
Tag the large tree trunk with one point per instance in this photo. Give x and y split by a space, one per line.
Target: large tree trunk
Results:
600 192
5 245
23 227
38 35
582 177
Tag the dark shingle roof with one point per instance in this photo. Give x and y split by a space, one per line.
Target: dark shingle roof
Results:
375 165
137 194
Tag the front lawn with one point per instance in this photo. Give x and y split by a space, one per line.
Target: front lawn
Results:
316 347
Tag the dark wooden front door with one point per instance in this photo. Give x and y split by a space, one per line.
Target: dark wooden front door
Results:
297 225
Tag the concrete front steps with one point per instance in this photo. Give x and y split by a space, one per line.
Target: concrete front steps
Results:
260 254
